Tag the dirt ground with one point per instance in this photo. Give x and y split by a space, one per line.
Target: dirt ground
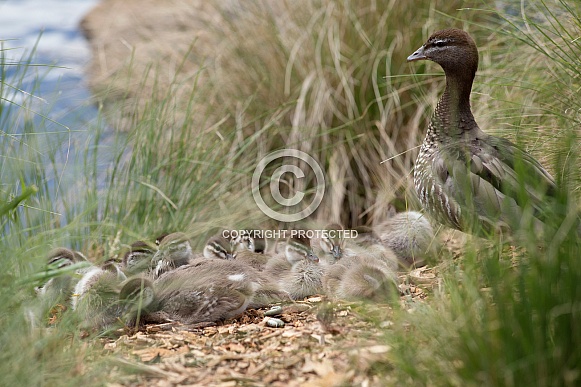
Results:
321 344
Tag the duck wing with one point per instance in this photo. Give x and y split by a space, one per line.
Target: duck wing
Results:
511 171
493 179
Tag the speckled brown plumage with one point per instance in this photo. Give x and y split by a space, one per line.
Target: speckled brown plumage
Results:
465 178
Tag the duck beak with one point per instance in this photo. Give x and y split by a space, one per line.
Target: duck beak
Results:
417 55
337 252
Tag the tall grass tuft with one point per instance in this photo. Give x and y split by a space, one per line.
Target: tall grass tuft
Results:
329 72
324 77
32 353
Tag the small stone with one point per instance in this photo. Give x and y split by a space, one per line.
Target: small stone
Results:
275 323
274 311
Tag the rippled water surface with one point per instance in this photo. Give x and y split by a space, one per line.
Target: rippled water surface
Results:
60 117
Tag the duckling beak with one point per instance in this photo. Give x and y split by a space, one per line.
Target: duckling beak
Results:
313 257
417 55
337 252
230 256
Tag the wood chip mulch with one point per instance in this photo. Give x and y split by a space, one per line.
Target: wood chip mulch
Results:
321 344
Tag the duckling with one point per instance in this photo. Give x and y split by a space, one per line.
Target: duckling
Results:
219 255
367 243
204 292
332 242
366 279
138 259
305 275
410 236
267 289
96 298
282 262
58 289
242 240
219 247
247 240
137 300
332 278
251 252
252 259
174 251
278 265
363 272
235 249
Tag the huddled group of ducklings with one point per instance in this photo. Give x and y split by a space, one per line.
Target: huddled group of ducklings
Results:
166 281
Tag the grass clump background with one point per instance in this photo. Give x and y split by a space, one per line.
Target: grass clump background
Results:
202 94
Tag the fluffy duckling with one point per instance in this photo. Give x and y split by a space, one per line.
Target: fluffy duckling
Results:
220 256
354 252
281 263
305 275
235 249
267 289
102 297
367 242
332 279
410 236
219 247
278 265
58 289
204 292
332 242
174 251
137 298
251 251
367 279
138 259
364 272
249 240
252 259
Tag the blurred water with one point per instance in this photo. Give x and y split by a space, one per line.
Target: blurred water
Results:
61 44
60 118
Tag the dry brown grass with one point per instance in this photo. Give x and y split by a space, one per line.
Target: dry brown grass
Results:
326 77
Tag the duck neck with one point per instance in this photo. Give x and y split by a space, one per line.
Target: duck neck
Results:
453 116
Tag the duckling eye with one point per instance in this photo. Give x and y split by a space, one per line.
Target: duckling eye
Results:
439 43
